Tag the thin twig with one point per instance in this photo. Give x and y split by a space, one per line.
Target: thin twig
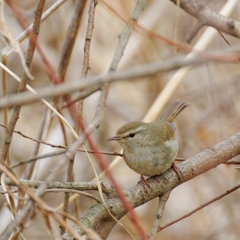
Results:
87 45
62 69
83 94
45 15
23 83
12 191
200 207
20 216
80 186
27 207
30 166
4 93
12 44
71 38
91 234
158 215
149 33
75 191
226 40
88 38
48 155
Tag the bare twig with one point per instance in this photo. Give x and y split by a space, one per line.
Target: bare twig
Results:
12 44
200 207
9 191
62 69
90 234
30 166
83 94
130 73
27 207
147 32
71 37
208 17
75 191
22 85
80 186
4 93
158 215
45 15
33 158
48 155
61 190
88 38
87 44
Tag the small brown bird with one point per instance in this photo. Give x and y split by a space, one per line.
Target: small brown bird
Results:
151 148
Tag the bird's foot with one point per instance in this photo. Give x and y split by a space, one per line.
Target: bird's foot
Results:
177 170
143 182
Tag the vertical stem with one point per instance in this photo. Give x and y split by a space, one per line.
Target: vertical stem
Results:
22 86
4 93
30 166
62 69
158 215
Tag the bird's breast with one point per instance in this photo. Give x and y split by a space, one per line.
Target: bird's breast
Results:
151 160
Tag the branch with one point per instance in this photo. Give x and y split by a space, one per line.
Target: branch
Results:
200 207
158 215
71 38
130 73
79 186
62 69
192 167
207 17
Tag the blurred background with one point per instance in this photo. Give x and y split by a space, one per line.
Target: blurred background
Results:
211 89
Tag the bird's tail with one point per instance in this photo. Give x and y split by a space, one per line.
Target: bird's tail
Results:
173 110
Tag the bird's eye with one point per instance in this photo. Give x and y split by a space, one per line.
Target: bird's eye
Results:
132 135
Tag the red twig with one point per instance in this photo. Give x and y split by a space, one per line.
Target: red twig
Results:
200 207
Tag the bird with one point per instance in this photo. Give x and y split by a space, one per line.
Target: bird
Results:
150 149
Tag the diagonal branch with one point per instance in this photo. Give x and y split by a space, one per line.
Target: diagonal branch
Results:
207 17
200 207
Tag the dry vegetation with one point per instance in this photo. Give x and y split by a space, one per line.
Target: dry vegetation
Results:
211 88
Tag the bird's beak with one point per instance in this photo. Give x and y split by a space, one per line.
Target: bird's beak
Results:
114 138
